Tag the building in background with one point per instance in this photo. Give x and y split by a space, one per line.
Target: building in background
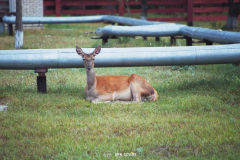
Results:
30 8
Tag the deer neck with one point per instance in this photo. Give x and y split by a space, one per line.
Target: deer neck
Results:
91 79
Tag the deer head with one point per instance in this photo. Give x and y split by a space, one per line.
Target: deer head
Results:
88 59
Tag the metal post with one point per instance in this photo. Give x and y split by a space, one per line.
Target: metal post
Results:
208 42
41 80
10 29
104 41
188 41
2 27
173 41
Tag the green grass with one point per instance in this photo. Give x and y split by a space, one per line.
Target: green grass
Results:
195 117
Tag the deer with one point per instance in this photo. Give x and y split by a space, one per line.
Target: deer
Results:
114 88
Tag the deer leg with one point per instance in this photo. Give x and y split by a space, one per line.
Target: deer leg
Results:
135 93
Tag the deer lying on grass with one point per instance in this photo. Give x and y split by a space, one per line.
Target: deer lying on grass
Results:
114 88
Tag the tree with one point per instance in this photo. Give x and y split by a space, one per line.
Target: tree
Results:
18 25
233 13
144 11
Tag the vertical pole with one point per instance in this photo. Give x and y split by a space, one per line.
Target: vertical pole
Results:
18 26
190 12
208 42
10 29
58 7
121 8
188 41
41 84
41 80
144 10
104 40
12 9
173 41
2 27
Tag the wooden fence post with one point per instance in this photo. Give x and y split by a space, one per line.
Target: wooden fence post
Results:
190 12
58 7
121 7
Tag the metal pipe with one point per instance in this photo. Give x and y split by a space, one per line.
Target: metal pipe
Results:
129 21
171 29
121 57
44 20
156 29
146 30
79 19
212 35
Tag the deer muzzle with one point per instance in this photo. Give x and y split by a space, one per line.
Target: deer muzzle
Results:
88 67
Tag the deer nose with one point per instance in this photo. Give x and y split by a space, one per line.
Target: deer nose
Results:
89 67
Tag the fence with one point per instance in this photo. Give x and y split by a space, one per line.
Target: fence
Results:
4 6
163 10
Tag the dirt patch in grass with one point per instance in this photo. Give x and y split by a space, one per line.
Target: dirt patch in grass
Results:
4 100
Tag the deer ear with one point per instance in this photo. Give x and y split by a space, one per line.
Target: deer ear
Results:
97 50
79 51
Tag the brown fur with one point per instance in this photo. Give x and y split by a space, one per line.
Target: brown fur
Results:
110 88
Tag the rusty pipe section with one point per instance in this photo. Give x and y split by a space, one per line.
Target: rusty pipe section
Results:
120 57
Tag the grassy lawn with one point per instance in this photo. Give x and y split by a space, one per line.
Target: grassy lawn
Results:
195 117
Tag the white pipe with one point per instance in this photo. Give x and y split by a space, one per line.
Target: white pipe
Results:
137 27
79 19
121 57
171 29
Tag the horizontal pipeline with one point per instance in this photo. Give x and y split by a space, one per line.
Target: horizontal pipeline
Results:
137 27
80 19
217 36
171 29
121 57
